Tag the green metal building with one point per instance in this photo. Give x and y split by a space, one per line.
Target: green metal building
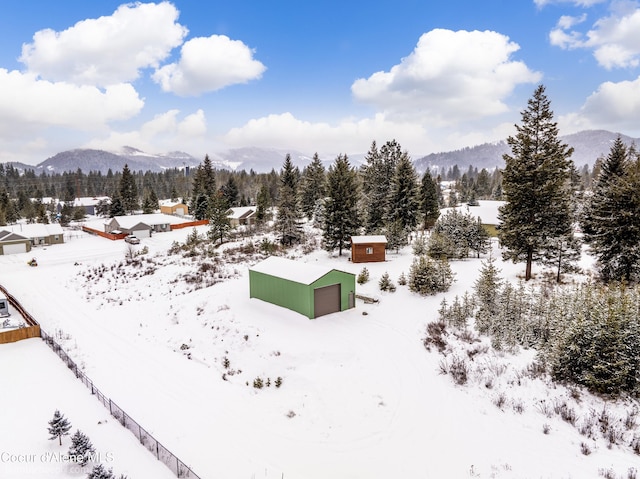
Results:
308 289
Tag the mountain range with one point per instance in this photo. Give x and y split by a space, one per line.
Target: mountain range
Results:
588 146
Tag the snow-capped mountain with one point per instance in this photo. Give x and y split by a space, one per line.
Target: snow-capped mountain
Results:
589 145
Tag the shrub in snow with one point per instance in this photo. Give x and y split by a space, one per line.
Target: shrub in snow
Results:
499 400
419 246
100 472
428 276
402 280
278 382
635 444
585 449
59 426
386 284
363 277
81 448
258 383
435 336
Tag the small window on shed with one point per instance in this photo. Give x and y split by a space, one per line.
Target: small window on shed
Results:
369 250
2 306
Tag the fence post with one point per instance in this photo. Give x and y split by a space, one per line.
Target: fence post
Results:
110 410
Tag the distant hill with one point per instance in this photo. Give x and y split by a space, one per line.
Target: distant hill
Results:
261 160
100 160
588 146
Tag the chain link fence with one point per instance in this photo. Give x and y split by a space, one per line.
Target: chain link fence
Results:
179 468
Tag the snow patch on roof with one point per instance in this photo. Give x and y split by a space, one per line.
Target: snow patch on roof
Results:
369 239
291 270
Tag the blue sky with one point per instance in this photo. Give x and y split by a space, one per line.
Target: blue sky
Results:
327 77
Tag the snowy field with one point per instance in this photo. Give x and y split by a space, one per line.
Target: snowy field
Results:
360 396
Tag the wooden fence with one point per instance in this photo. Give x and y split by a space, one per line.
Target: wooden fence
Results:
179 468
190 223
19 334
32 330
111 236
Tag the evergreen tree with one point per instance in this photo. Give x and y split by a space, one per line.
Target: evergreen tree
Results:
148 206
600 346
288 217
611 222
201 206
203 189
230 192
535 182
487 289
374 195
81 448
563 254
128 191
262 204
455 234
429 204
478 238
402 204
340 209
116 208
386 284
59 426
427 276
219 225
207 179
100 472
378 173
313 187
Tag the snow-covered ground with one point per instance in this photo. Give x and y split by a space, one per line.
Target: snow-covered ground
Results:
360 396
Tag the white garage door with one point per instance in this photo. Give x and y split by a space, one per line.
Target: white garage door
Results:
14 248
141 233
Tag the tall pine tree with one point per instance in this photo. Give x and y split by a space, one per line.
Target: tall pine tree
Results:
429 205
535 182
341 206
611 223
287 223
402 205
128 191
313 187
58 426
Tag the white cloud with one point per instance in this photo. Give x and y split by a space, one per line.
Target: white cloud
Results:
27 102
209 64
615 40
450 76
579 3
164 132
353 136
109 49
613 106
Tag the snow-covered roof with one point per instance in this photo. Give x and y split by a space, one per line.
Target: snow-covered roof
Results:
6 235
487 211
295 271
366 239
36 230
150 219
90 200
170 203
241 212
